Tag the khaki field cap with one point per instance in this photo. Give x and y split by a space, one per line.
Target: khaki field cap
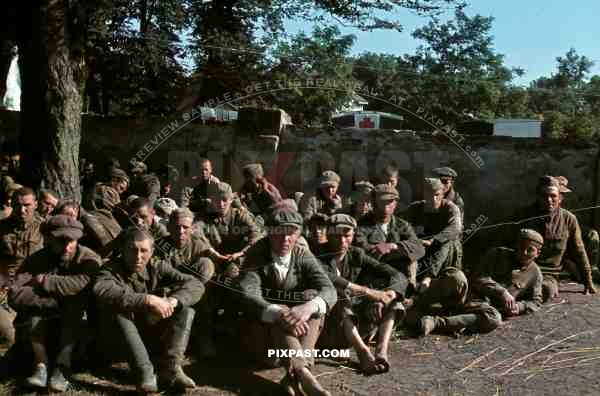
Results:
445 171
63 226
221 189
283 214
532 235
342 221
384 192
329 178
120 174
548 184
433 184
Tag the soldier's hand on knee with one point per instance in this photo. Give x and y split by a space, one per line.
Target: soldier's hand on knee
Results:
510 304
376 311
303 312
159 305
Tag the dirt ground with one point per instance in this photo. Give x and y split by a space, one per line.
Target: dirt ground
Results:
556 351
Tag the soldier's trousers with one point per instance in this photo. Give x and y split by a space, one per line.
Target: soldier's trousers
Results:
446 301
549 287
165 339
440 256
41 330
257 338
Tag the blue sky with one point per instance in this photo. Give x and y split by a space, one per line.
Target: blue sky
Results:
530 33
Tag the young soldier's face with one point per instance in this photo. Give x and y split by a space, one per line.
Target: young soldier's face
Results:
63 247
181 230
342 239
550 200
447 182
387 206
24 207
47 204
392 181
146 215
137 254
71 211
361 206
206 170
119 185
330 191
283 239
527 251
221 204
434 199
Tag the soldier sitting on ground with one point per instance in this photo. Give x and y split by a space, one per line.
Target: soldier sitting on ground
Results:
361 308
562 235
438 224
285 316
510 279
144 184
149 302
257 194
360 201
447 176
326 200
51 294
48 200
388 238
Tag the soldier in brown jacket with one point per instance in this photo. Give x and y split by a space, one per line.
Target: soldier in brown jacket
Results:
511 279
562 237
149 302
51 293
326 199
20 237
274 288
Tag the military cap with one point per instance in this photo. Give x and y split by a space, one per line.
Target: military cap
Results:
362 189
167 205
129 200
106 197
63 226
221 189
549 184
343 221
563 183
385 191
526 233
254 170
329 178
433 184
283 213
445 171
117 173
180 213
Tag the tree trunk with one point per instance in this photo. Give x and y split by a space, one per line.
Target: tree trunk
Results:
51 61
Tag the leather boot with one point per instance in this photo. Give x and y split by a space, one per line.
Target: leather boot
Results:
137 355
170 373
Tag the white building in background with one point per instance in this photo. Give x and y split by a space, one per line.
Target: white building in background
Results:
356 103
518 127
12 97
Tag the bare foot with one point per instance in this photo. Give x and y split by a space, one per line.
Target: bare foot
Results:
309 383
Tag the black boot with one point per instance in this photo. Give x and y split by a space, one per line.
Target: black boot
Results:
39 378
171 374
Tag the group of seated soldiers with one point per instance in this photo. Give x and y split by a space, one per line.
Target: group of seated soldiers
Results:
143 264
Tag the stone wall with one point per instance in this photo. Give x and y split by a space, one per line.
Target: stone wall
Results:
497 174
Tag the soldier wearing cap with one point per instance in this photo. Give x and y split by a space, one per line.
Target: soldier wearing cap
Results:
446 307
361 308
148 303
591 238
142 215
360 201
509 278
562 236
163 207
197 198
388 238
447 176
231 231
100 225
390 176
257 194
51 293
326 200
281 312
144 184
438 223
119 182
317 232
20 237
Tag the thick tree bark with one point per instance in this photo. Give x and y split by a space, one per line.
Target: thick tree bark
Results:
51 60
